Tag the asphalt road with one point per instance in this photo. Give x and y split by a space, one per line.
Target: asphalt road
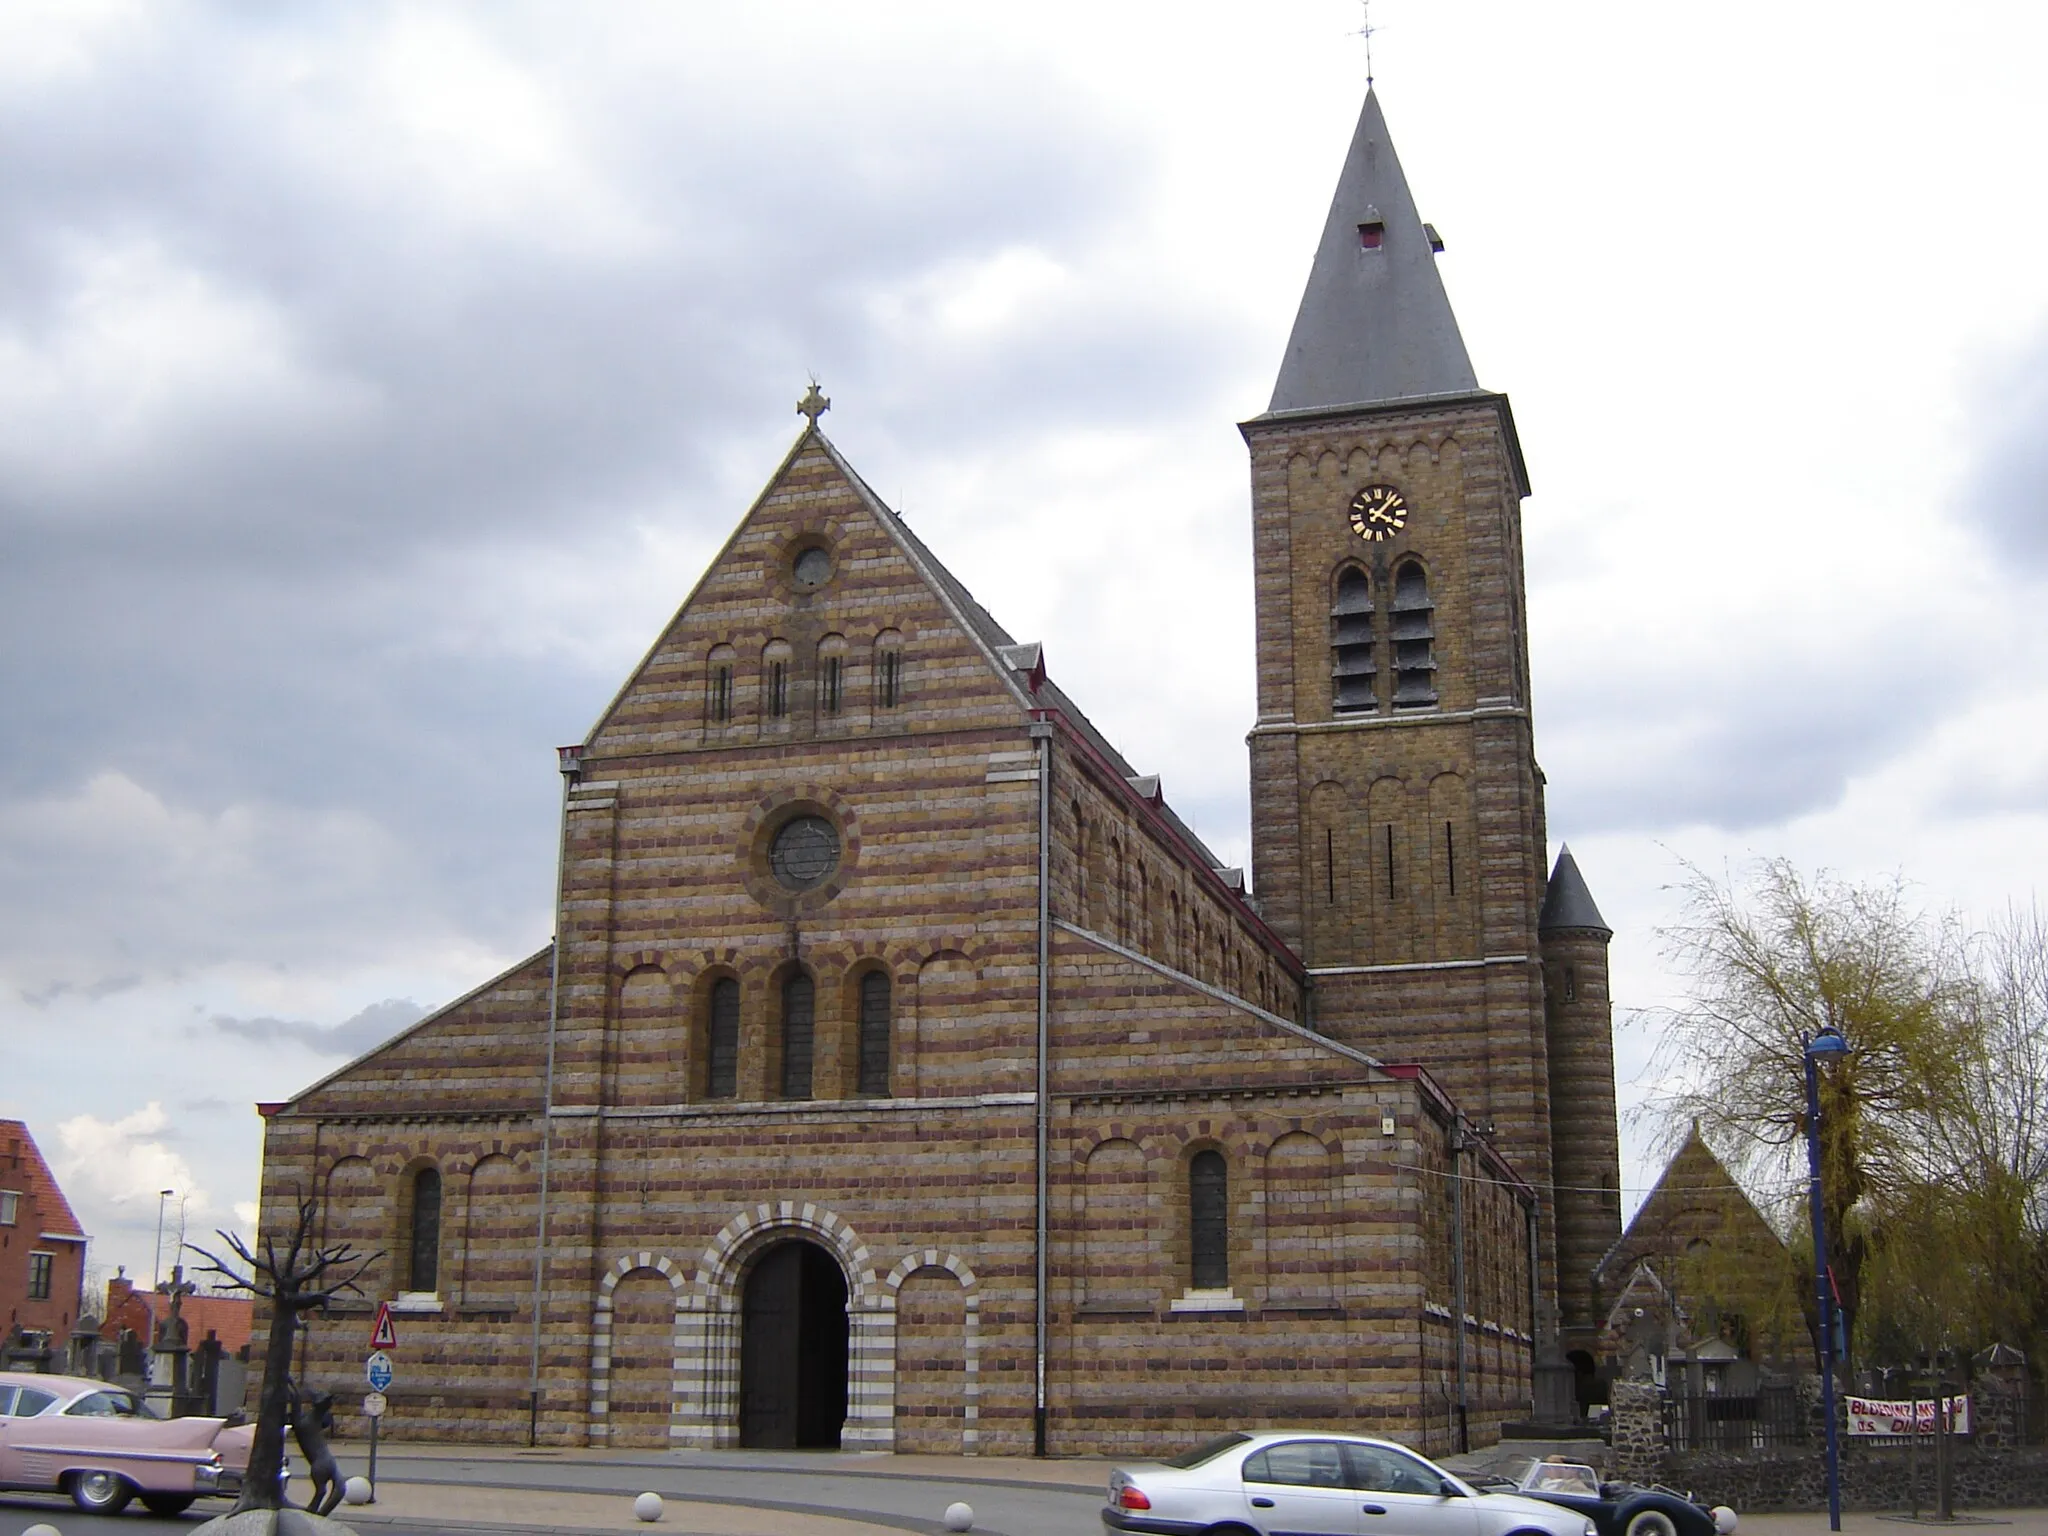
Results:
794 1484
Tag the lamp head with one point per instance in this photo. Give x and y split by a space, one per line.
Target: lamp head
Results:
1827 1041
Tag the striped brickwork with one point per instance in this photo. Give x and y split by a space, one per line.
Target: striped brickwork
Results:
1177 1023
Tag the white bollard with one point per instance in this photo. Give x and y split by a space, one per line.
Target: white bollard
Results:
356 1491
647 1507
959 1517
42 1530
1724 1521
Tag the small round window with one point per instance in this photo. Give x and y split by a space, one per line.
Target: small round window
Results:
805 852
813 568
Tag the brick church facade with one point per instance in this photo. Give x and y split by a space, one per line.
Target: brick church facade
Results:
906 1074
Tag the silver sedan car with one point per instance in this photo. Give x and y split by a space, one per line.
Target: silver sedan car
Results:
1300 1483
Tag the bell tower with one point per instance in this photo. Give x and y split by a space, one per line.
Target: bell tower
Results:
1397 808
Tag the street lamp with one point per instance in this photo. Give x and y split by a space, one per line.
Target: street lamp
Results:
156 1260
1826 1041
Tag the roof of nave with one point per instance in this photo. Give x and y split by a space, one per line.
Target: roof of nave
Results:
1375 324
22 1168
1567 903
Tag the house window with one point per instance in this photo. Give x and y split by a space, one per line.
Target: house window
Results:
1208 1221
874 1032
1413 630
778 688
425 1271
10 1204
799 1026
830 670
40 1266
1571 984
1352 668
722 1041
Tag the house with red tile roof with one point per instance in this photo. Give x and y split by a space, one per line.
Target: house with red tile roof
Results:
42 1247
226 1317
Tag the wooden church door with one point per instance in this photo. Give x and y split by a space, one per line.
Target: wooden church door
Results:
793 1349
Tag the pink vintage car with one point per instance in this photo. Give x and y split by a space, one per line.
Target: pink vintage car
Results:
103 1445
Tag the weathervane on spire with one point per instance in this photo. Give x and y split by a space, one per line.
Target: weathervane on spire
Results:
813 405
1365 30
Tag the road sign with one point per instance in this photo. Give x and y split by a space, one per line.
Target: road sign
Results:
383 1336
377 1369
373 1405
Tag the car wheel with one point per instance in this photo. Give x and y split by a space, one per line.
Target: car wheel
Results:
1230 1530
100 1493
1652 1522
167 1504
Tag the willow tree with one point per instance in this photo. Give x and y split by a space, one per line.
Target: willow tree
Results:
1771 961
1960 1252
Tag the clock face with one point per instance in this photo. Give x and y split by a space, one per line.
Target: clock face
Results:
1378 512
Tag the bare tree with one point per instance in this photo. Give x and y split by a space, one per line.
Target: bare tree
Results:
304 1278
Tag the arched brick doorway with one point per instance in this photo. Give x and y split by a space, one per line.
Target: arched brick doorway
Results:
793 1349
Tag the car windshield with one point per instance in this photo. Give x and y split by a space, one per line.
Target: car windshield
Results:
1208 1450
1562 1477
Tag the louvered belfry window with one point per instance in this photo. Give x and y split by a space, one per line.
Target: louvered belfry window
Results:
1352 667
722 1041
1413 631
1209 1221
799 1021
874 1032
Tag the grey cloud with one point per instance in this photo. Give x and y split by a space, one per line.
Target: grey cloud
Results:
1765 738
353 1036
92 991
2007 490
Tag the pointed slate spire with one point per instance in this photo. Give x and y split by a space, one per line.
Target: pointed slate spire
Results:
1567 903
1374 323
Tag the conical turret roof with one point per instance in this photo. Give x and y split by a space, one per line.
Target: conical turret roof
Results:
1375 324
1567 903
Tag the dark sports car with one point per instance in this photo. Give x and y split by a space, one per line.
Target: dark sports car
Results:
1616 1509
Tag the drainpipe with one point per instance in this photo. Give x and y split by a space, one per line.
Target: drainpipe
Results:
1458 1143
570 761
1041 730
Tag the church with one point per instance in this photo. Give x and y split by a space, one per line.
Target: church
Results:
904 1073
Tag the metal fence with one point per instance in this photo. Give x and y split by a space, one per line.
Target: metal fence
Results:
1773 1417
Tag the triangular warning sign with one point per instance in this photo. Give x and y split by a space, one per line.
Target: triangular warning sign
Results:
384 1336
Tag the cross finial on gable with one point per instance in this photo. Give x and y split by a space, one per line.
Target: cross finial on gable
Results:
813 405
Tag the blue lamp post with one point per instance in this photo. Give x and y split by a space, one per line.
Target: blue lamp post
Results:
1826 1041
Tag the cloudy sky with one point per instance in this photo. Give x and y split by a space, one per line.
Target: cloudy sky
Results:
375 379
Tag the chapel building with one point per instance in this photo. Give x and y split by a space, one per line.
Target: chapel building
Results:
905 1074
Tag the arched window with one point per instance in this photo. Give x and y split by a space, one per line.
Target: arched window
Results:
799 1021
1414 634
722 1041
775 659
423 1270
1352 667
874 1032
718 686
831 674
1209 1221
888 669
